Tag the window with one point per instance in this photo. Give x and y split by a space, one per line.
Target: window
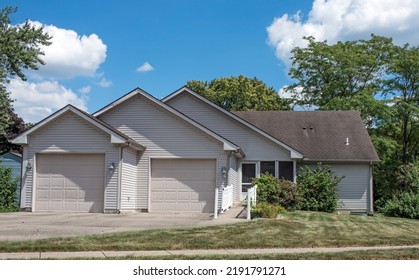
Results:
286 169
267 166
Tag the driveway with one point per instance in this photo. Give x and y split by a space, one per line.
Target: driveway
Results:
31 226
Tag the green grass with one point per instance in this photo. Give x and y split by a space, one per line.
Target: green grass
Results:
290 230
390 254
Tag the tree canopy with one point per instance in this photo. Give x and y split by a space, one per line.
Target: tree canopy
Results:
19 50
381 81
240 94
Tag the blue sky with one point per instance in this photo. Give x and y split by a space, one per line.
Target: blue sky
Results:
99 47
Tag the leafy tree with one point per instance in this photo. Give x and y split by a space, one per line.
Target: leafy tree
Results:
240 94
8 187
19 50
343 76
16 127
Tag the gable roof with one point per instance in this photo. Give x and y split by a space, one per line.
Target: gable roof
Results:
228 145
319 135
295 153
117 137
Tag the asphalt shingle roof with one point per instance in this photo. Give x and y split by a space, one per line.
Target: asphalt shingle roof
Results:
319 135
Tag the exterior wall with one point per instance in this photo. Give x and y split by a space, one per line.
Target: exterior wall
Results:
129 180
165 135
254 145
233 174
354 190
70 134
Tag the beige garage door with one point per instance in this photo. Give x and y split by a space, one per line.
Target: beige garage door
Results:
70 182
182 185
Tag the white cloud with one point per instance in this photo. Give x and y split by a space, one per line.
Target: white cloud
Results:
35 101
85 89
70 54
104 83
146 67
335 20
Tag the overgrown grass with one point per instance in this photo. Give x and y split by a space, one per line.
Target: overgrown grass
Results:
291 230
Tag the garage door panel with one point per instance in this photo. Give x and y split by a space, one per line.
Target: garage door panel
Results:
70 182
182 185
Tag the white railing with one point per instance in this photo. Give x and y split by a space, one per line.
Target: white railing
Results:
226 198
251 199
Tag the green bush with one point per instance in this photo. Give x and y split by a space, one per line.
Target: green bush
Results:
405 205
266 210
8 187
318 188
277 191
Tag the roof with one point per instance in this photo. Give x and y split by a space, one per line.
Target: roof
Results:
117 137
295 153
319 135
228 145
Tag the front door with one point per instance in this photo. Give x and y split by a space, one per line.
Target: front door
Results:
248 174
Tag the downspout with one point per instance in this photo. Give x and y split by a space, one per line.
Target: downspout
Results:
371 210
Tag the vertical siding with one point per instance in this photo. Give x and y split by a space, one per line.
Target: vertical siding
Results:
71 134
353 188
165 135
254 145
129 180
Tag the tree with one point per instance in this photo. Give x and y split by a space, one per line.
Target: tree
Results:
240 94
19 50
343 76
16 127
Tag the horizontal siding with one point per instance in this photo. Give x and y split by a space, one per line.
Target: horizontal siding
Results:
233 178
129 180
354 187
71 134
254 145
164 135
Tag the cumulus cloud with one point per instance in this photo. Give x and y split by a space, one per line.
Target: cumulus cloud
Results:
104 83
35 101
146 67
340 20
70 54
85 89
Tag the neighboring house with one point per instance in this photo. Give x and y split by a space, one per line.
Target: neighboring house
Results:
14 161
143 154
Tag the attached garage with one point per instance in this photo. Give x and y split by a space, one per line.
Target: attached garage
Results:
70 182
182 185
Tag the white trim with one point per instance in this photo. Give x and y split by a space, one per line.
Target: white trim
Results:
228 146
294 154
22 139
294 171
34 181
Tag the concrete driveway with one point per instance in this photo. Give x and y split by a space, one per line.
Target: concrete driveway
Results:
31 226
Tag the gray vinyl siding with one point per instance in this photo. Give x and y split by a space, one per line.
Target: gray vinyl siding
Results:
129 180
254 145
164 135
233 173
71 134
354 187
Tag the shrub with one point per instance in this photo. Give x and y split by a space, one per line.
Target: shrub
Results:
277 191
405 205
8 187
266 210
318 188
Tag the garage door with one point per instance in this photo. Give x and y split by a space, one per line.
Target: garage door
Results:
182 185
70 183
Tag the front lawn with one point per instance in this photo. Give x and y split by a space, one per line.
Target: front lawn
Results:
290 230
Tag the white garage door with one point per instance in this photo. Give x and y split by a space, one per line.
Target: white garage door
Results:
70 182
182 185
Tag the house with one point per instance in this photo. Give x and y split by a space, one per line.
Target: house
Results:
12 160
139 153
